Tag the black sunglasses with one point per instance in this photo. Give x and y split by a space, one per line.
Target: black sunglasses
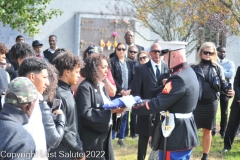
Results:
119 49
156 51
142 58
206 53
133 52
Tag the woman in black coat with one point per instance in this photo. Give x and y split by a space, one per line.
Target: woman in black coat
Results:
95 123
211 81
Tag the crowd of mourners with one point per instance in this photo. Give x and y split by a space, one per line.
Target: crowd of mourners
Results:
52 100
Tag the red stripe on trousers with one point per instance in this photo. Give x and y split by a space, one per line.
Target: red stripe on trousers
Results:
168 155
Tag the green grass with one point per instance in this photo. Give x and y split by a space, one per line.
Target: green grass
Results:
130 152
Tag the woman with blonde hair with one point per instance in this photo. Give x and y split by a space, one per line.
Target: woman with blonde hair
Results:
211 81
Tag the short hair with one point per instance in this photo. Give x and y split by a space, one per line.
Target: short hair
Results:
21 50
3 48
32 64
19 36
52 36
220 47
130 47
91 67
66 61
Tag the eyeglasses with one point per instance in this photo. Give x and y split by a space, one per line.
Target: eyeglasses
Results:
142 58
206 53
156 51
119 49
133 52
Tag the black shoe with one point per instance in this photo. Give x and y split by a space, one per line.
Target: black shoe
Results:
213 133
224 151
222 135
121 143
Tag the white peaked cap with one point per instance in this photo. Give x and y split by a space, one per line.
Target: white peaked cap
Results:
172 45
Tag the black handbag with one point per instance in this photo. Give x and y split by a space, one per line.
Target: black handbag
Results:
216 83
157 136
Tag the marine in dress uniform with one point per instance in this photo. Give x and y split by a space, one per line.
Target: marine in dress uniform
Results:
179 96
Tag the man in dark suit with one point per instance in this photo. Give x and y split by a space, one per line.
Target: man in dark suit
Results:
234 118
129 40
144 80
48 53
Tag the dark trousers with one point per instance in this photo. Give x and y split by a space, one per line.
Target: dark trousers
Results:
232 128
133 123
224 114
142 147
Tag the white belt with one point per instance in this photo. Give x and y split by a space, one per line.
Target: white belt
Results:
183 115
179 115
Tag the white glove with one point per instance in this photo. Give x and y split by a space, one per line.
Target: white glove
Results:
128 102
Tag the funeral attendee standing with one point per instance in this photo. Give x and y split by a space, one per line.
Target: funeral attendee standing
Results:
234 117
19 52
122 71
68 67
145 78
179 97
228 70
95 123
48 53
38 47
129 40
36 70
21 96
211 81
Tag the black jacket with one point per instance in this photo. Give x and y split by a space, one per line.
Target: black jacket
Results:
117 72
71 141
235 105
93 121
143 81
214 70
54 130
180 95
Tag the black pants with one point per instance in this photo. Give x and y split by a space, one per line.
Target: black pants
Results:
224 114
133 123
142 147
232 128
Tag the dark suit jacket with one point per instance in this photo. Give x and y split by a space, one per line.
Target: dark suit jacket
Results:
140 48
93 119
48 55
143 81
235 104
117 72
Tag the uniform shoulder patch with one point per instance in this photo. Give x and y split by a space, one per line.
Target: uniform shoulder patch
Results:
168 87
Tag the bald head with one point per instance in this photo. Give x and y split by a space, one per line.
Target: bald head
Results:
129 37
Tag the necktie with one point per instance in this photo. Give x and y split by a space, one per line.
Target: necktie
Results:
157 72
